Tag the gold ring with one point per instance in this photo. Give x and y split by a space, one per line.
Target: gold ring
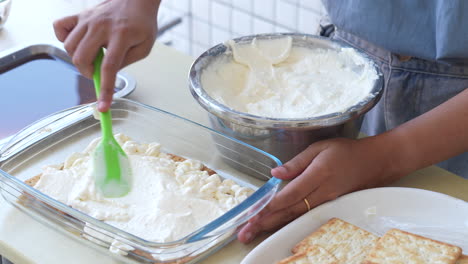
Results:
307 204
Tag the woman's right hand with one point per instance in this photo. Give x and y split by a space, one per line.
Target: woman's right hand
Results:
126 28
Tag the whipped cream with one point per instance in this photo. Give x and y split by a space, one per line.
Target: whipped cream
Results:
273 78
168 200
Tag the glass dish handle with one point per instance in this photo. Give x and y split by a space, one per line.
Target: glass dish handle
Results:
43 127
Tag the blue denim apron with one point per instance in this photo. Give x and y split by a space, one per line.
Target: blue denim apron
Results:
412 87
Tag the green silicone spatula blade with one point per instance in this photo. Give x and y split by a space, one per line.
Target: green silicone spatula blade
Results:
111 166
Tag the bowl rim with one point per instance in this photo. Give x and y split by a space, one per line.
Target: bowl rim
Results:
242 118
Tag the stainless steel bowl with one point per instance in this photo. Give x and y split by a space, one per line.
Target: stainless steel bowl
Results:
281 137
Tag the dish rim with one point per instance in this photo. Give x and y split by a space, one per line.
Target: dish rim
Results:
268 189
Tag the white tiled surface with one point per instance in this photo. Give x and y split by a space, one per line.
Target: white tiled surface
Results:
209 22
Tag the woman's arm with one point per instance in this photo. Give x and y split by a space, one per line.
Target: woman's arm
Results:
432 137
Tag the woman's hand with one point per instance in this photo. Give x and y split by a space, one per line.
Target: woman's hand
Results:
323 172
126 28
330 168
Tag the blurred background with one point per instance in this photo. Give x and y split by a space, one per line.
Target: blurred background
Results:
190 26
205 23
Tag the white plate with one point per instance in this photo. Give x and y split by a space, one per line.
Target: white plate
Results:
430 214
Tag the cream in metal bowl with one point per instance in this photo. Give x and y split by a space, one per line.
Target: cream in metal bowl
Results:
282 92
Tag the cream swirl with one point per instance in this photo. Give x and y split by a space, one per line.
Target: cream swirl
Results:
169 199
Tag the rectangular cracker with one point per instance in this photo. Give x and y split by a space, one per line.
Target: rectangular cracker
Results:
462 260
313 254
397 246
348 243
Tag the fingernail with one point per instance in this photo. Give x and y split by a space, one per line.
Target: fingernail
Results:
101 105
281 170
248 236
255 218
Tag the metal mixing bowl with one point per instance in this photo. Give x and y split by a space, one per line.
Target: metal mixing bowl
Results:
281 137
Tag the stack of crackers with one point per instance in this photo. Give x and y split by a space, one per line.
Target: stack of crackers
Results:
339 242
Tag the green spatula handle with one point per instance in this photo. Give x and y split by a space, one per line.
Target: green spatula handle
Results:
106 118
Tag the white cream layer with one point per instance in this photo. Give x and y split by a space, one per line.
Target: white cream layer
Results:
272 78
168 199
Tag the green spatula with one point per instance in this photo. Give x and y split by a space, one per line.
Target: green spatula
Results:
112 171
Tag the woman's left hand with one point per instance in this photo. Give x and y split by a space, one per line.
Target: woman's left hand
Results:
324 171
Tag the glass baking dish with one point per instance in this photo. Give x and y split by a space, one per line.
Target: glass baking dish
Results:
52 139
